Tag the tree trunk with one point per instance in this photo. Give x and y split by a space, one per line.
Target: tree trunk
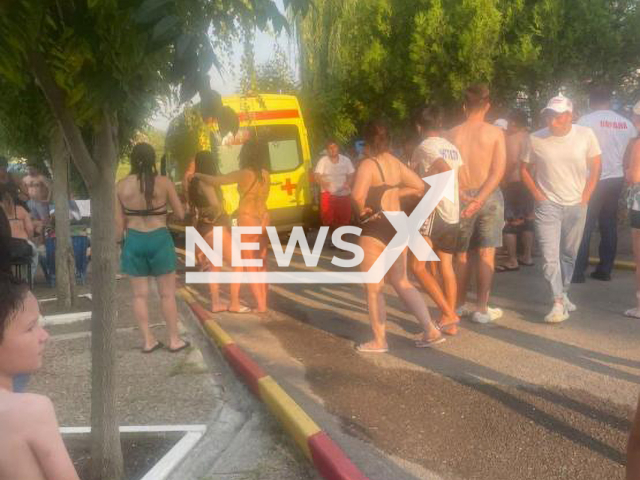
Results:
65 277
98 173
106 452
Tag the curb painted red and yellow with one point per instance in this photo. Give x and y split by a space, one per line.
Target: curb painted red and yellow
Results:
327 457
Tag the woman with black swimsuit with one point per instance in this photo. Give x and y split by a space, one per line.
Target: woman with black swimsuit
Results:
381 181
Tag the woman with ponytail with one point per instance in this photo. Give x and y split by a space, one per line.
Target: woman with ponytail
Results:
381 182
148 250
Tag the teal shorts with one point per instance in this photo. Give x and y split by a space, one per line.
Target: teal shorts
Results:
148 254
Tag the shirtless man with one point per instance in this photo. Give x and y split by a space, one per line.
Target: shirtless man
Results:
482 147
39 189
518 201
31 447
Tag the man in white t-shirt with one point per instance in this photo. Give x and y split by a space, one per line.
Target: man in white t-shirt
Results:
613 132
564 160
334 174
434 155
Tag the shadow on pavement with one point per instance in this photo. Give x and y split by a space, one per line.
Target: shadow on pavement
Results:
485 380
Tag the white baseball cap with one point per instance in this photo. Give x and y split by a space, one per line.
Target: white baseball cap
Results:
501 123
636 109
559 104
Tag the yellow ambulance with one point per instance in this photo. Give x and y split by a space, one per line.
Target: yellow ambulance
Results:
278 120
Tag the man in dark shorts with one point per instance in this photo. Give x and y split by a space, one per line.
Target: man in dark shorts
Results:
518 201
482 148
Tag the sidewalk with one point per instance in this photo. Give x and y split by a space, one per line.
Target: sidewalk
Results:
162 388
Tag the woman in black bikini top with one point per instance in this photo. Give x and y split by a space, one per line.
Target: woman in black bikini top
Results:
377 225
381 181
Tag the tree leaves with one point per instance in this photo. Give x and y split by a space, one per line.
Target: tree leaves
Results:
166 31
365 58
151 11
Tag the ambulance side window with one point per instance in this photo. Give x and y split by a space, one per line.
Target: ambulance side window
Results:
284 155
285 151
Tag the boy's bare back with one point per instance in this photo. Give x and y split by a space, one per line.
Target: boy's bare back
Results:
477 143
31 447
30 442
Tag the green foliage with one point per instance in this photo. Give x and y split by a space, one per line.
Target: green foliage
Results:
25 122
182 139
368 58
272 76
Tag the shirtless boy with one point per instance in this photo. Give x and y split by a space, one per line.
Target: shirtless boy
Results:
31 447
482 147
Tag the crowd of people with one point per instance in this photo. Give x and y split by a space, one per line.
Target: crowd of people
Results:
511 188
27 218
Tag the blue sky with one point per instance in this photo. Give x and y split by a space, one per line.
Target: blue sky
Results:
227 83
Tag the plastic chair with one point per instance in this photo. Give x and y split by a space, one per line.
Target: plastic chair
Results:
21 269
80 246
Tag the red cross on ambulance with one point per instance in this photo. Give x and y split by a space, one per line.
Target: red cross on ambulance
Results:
289 187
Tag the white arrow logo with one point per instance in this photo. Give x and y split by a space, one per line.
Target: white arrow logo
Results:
407 235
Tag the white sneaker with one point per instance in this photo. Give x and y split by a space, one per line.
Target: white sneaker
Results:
479 317
568 304
465 310
557 314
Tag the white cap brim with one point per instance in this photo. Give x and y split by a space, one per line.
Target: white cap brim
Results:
555 110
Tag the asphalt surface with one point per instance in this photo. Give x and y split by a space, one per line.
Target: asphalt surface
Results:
515 399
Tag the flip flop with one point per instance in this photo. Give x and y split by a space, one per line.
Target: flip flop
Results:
243 309
219 310
525 264
430 343
157 346
176 350
504 268
363 349
445 327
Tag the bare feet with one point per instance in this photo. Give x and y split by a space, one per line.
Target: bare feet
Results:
218 307
373 347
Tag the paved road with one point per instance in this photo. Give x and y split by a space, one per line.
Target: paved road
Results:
516 399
